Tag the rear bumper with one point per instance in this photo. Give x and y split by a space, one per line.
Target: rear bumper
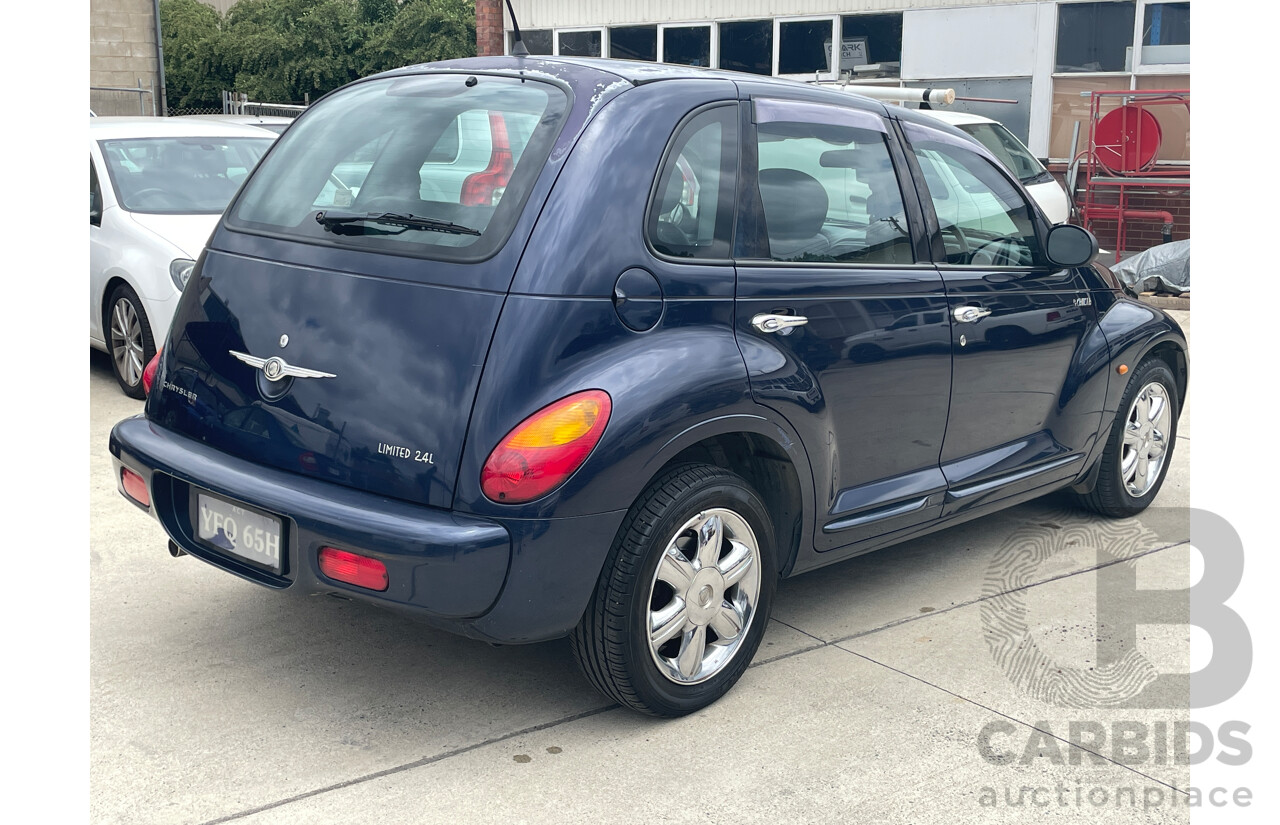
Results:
448 569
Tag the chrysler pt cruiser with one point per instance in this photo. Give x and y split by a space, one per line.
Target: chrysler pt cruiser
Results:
668 336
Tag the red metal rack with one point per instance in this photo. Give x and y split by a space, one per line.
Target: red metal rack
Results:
1121 159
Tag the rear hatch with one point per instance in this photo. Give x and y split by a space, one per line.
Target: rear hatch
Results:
338 324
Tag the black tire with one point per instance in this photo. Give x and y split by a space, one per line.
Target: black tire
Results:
1110 495
611 643
130 381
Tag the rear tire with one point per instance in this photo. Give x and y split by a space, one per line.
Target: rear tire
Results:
670 641
129 340
1140 444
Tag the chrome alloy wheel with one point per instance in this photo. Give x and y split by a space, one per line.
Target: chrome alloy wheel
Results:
703 596
126 341
1145 439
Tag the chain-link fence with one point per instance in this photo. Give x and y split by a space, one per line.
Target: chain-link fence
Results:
122 100
234 103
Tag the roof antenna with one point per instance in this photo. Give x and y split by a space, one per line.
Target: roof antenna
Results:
518 49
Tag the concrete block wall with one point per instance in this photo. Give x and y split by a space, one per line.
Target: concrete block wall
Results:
122 49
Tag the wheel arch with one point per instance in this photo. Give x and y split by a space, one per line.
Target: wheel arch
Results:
765 454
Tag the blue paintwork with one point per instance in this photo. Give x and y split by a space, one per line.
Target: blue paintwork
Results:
891 428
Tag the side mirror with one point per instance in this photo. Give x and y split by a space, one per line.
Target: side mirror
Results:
1069 245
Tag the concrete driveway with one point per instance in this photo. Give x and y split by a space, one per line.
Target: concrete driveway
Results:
936 681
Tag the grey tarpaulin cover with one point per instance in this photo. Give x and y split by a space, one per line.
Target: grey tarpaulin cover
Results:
1163 268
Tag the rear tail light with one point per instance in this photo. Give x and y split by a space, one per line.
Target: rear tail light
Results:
353 568
486 187
149 374
1053 316
134 487
546 448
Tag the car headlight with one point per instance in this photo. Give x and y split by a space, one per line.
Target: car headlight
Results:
180 271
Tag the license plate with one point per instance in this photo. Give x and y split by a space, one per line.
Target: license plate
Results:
240 532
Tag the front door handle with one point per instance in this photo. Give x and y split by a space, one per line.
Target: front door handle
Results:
777 323
969 315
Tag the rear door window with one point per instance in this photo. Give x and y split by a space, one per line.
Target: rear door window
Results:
435 165
828 186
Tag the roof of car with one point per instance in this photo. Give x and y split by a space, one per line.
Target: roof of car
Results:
102 128
954 118
576 70
249 119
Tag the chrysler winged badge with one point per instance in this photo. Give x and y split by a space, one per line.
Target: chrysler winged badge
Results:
276 368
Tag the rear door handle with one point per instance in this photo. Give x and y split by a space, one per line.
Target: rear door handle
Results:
777 323
969 315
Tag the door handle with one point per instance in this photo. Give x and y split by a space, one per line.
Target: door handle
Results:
777 323
969 315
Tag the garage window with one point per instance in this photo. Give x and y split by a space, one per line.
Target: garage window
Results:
804 46
634 43
1094 37
747 46
580 43
686 45
871 45
537 41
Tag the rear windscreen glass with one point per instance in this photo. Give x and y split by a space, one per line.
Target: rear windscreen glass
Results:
436 165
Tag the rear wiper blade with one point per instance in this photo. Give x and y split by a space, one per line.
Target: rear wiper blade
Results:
332 219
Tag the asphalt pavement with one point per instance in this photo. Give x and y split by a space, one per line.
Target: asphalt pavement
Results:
942 680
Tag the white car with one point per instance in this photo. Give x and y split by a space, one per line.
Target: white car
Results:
157 187
992 134
272 123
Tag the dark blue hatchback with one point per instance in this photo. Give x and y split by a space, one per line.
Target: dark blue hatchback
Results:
535 347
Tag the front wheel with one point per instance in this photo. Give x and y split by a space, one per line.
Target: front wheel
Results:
685 595
1140 444
129 339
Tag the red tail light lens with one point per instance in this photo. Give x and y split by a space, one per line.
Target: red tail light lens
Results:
134 487
149 374
353 568
546 448
485 188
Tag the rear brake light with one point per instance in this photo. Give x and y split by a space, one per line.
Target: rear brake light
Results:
149 374
546 448
486 187
134 487
353 568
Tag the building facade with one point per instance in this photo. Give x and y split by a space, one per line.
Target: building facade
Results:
123 55
1044 55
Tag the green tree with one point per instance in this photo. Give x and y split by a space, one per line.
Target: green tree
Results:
194 74
282 50
420 32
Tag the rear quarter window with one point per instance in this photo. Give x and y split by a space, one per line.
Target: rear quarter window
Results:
460 151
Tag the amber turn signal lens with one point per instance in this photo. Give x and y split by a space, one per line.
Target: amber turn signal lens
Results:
546 448
1122 369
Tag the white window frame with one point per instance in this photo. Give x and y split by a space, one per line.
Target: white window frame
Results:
1138 66
891 81
713 32
604 37
834 19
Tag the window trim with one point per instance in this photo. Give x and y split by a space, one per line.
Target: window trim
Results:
836 39
713 53
602 30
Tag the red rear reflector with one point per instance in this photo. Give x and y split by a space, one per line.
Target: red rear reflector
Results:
149 374
134 487
353 568
546 448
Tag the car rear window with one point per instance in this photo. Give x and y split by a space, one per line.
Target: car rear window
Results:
180 175
432 165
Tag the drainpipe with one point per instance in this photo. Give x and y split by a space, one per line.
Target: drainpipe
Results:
164 97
